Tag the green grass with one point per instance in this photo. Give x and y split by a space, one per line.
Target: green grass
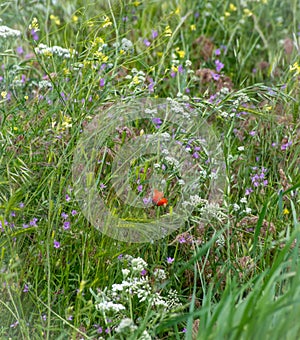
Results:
228 266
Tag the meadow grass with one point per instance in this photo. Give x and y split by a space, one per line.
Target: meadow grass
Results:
230 268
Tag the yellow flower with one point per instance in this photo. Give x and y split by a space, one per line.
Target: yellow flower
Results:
193 27
168 31
159 54
136 3
232 8
248 12
15 128
26 97
286 211
107 22
66 71
296 68
75 18
177 11
3 94
136 80
34 25
174 68
227 14
181 53
55 19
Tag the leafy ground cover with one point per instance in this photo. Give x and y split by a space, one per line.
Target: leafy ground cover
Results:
228 264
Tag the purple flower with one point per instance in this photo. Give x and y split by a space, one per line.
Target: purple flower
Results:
74 212
26 288
33 222
219 65
157 121
181 239
34 35
252 133
147 200
64 215
143 272
248 191
195 155
70 317
67 225
146 42
170 260
217 51
154 34
56 244
140 188
68 198
102 186
180 69
20 50
13 214
25 225
215 76
44 317
120 256
21 205
102 82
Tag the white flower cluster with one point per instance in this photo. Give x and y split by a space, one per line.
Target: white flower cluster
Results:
7 32
47 51
126 45
126 325
107 306
134 284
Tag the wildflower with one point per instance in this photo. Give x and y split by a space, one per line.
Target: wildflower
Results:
56 244
74 212
181 53
68 198
75 18
67 225
146 42
286 211
33 222
3 94
126 324
193 27
296 68
109 306
34 25
154 34
219 65
168 31
55 19
247 12
170 260
106 22
26 288
232 7
64 215
102 82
